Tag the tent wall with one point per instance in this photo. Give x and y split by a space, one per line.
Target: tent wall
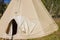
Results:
32 14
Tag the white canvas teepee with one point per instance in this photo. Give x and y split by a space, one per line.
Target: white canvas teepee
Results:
32 18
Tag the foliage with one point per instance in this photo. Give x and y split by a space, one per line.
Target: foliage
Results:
2 8
53 6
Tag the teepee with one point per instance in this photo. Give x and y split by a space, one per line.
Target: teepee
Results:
31 19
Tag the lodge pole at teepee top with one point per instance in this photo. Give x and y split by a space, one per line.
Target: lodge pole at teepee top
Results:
32 19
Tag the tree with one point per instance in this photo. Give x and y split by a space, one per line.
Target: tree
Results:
2 7
53 6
